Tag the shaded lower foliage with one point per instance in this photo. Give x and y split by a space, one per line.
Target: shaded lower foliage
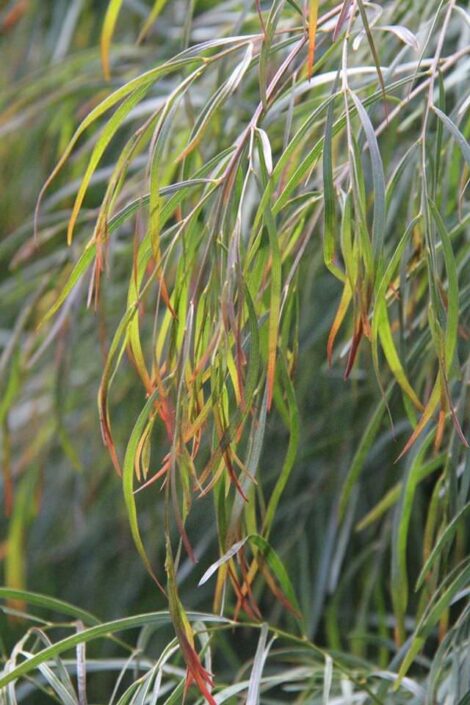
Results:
251 245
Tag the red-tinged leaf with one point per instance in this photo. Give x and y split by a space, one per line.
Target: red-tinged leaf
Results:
105 425
260 16
163 404
358 331
275 264
245 599
312 33
232 473
195 672
440 430
271 372
14 15
338 320
268 562
342 18
177 513
429 410
453 415
165 294
203 361
277 592
159 474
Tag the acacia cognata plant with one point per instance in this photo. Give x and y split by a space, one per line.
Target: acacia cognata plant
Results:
209 180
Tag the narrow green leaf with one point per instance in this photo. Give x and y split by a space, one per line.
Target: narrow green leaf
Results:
128 481
455 132
110 19
104 630
274 562
48 603
443 541
378 179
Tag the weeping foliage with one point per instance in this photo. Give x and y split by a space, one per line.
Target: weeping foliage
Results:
251 244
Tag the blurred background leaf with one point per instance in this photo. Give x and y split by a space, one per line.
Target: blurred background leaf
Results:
221 165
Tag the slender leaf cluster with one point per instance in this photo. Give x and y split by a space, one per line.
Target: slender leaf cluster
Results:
252 244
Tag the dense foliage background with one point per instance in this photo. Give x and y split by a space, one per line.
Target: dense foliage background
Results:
252 245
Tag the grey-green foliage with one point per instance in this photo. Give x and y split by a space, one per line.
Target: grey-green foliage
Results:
242 237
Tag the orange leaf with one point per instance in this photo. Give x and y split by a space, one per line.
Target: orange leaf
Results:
312 32
339 318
